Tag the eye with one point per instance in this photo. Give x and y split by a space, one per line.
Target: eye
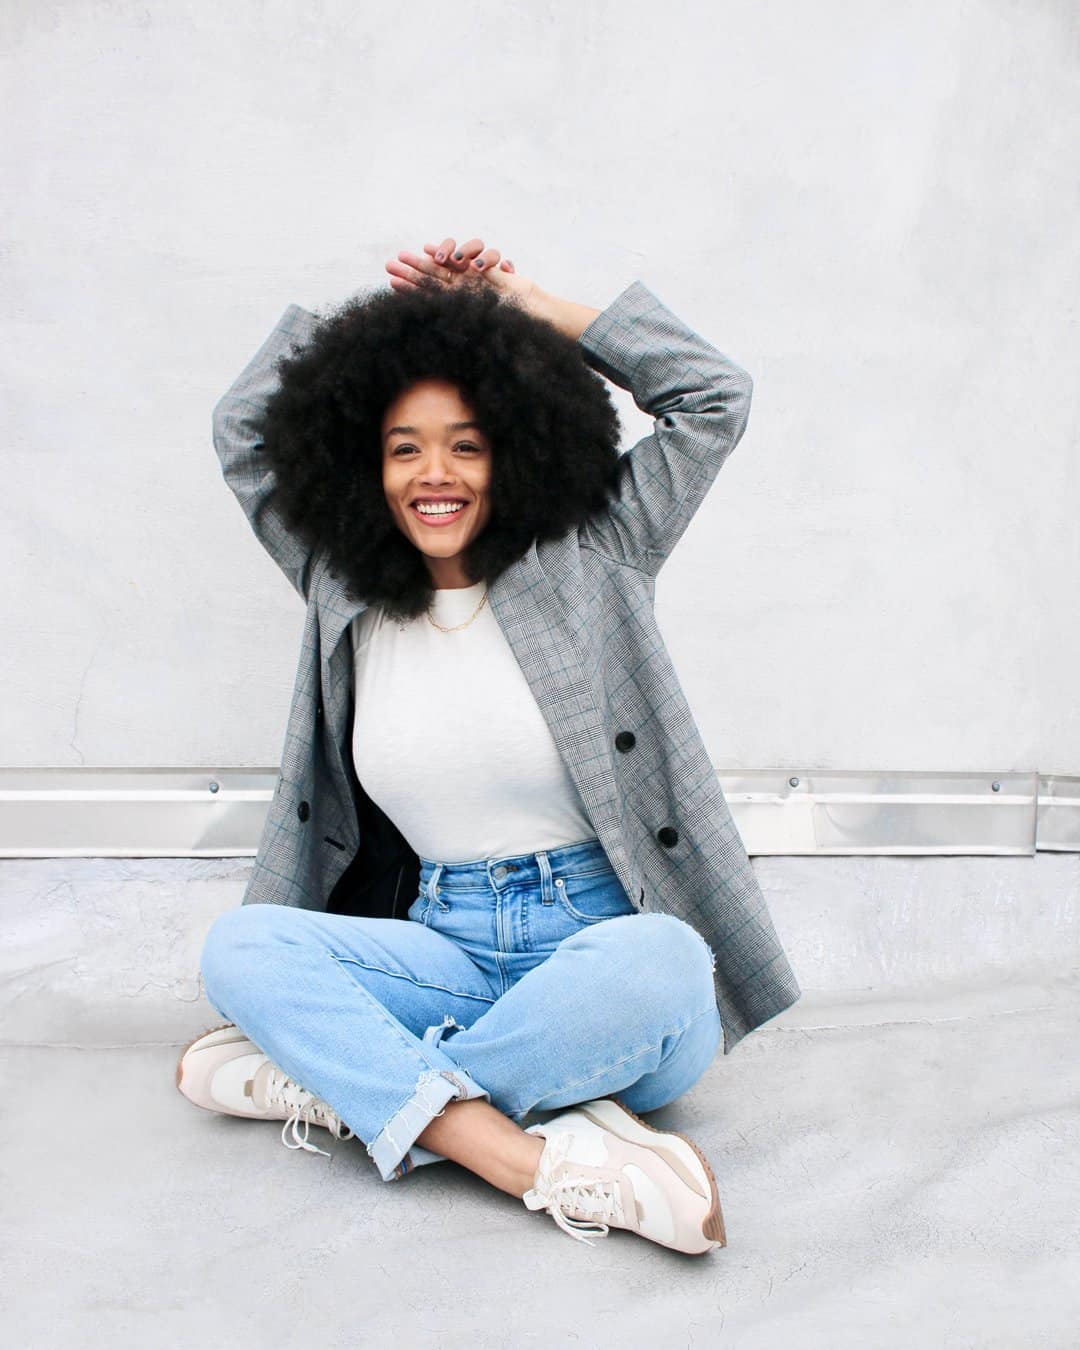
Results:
461 445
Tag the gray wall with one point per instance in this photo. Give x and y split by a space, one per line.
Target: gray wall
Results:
873 208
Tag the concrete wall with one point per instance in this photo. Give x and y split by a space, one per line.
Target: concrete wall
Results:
871 207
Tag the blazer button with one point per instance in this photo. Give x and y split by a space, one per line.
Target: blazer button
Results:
303 811
625 740
668 836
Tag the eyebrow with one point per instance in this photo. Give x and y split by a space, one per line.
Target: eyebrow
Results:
450 426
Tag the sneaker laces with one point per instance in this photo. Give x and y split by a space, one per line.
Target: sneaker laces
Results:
305 1110
590 1200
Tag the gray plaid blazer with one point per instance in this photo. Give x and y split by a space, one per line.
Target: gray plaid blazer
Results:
578 615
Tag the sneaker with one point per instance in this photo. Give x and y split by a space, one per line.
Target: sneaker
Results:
603 1167
223 1071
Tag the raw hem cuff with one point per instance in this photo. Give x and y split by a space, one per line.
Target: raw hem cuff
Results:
434 1088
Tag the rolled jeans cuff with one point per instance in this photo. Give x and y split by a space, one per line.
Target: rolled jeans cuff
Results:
434 1088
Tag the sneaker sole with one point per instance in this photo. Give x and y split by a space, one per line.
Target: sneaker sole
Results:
212 1037
610 1114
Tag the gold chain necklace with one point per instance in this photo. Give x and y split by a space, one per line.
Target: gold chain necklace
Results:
458 626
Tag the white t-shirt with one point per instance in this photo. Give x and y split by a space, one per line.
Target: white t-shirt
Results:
449 741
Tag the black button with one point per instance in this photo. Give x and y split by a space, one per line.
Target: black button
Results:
303 811
668 836
625 740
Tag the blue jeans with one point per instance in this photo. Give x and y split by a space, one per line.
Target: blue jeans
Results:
530 981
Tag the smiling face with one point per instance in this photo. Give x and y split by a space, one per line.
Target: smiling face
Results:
435 454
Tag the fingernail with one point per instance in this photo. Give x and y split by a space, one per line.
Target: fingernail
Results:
440 257
458 255
479 262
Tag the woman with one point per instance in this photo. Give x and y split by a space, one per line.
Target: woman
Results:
436 470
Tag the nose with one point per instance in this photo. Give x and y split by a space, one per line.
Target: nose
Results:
437 467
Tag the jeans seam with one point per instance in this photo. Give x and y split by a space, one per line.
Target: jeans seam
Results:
590 918
398 1030
417 984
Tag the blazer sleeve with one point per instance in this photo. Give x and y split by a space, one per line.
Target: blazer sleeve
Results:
700 403
238 421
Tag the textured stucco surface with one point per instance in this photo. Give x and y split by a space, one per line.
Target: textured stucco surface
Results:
872 208
898 1154
912 1183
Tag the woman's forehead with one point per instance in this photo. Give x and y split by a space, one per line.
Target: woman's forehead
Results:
436 403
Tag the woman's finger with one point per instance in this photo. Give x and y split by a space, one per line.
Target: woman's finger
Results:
467 252
400 277
442 252
415 277
424 267
452 256
485 260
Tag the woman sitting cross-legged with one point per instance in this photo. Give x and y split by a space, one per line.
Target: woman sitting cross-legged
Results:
498 877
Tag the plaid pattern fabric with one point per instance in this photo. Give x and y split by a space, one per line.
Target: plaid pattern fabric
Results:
578 615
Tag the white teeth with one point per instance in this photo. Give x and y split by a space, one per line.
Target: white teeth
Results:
438 509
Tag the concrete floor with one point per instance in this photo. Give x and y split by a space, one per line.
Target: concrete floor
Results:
896 1169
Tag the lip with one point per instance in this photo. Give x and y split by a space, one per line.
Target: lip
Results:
434 522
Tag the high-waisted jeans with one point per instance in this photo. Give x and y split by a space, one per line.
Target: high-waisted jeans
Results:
530 981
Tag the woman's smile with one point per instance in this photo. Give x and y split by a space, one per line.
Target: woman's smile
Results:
439 515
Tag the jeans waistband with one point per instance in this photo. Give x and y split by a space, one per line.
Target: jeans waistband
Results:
517 868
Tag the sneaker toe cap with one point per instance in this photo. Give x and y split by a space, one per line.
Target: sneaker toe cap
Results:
218 1078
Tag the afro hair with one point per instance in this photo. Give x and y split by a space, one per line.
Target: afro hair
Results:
549 418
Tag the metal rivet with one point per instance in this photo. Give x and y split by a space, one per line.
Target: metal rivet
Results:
558 881
213 786
996 787
793 782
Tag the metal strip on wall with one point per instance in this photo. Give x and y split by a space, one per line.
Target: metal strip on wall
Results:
219 813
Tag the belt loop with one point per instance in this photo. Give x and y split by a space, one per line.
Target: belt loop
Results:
547 894
433 880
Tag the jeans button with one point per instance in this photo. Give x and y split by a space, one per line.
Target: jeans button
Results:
499 873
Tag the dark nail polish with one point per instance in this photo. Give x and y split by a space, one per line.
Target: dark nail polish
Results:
458 256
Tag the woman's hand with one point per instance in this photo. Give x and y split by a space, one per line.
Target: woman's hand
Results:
448 264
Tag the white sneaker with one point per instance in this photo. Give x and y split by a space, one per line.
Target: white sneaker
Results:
223 1071
603 1167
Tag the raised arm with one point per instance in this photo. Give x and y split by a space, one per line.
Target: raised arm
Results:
700 403
237 422
698 398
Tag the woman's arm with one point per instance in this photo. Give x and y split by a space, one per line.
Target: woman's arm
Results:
448 264
567 315
237 426
699 400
